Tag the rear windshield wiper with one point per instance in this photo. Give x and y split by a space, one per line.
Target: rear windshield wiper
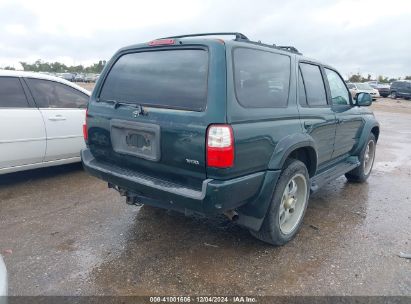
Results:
117 103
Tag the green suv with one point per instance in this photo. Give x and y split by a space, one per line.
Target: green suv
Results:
209 126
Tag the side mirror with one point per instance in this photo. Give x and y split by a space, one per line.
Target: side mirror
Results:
363 99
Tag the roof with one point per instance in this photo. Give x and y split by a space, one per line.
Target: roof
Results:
35 75
200 37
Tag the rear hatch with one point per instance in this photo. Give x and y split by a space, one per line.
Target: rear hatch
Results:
152 105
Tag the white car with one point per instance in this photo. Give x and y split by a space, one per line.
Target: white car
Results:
362 87
41 121
3 280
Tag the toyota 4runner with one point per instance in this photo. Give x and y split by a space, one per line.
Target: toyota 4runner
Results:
209 126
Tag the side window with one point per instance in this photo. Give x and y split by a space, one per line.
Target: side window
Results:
50 94
314 85
12 94
302 97
339 93
261 78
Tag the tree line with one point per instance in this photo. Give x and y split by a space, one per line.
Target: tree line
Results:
58 67
382 79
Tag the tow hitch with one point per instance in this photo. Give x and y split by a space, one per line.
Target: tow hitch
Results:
131 198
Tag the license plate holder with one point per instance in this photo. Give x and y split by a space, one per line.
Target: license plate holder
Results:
136 139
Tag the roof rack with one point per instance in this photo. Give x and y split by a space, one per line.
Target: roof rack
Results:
238 36
289 48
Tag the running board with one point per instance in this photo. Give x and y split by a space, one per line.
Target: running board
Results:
333 172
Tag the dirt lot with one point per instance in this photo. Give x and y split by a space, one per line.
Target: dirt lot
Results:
70 235
87 85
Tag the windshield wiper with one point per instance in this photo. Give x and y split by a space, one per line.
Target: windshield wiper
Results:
117 103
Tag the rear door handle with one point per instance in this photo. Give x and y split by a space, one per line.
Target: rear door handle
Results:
57 118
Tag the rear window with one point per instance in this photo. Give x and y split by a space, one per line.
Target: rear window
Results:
11 93
261 78
169 79
314 85
51 94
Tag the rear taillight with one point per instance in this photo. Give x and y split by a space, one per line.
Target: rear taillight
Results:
220 146
85 132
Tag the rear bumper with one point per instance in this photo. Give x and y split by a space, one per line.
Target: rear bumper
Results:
216 196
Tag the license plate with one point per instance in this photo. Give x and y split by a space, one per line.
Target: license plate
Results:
137 139
140 141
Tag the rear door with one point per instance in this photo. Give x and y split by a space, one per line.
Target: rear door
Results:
403 89
318 118
349 120
22 130
153 109
407 89
63 110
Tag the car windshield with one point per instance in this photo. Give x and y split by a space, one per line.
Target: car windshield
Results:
363 86
169 79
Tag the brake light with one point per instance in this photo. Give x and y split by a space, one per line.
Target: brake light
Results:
161 42
220 146
85 132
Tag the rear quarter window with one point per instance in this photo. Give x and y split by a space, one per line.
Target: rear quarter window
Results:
168 79
51 94
11 93
262 78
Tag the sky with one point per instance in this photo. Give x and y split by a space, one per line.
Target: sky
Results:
369 37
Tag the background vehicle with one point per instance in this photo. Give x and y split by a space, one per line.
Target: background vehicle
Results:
230 127
79 78
362 87
66 76
41 119
383 88
3 280
401 88
90 78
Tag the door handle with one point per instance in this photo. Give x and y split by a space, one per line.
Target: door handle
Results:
57 118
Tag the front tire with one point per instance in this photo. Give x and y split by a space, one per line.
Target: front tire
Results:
367 157
289 203
394 95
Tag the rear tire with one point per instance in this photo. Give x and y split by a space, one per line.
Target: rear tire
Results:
367 157
288 205
394 95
